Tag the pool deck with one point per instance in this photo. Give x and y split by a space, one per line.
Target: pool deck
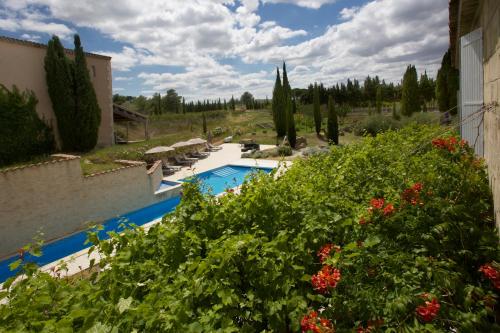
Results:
229 154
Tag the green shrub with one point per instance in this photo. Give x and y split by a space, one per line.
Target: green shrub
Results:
244 263
376 124
22 134
285 150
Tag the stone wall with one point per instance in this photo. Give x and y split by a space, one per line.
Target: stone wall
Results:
55 198
490 22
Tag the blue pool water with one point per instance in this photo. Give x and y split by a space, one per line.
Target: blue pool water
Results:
215 181
219 180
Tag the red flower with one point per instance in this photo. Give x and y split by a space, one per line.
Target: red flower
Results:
325 250
327 277
388 210
492 274
362 220
429 311
377 203
311 322
450 144
417 187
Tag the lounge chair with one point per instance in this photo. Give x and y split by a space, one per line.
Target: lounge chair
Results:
194 159
212 148
182 161
167 165
198 154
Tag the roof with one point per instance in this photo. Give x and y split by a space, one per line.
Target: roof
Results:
121 113
464 18
43 46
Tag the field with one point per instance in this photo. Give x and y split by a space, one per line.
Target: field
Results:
170 128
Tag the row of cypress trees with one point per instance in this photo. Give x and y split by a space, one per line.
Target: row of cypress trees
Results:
332 125
283 107
73 97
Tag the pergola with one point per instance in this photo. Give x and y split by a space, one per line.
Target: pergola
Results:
123 115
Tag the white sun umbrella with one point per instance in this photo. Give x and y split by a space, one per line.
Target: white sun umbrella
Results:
159 150
197 141
181 144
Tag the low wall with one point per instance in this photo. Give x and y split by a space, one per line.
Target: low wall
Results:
55 198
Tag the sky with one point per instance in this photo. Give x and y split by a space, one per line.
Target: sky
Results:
220 48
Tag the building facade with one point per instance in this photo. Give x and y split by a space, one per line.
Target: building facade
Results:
22 65
475 38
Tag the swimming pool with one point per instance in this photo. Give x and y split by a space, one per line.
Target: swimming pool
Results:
218 180
215 181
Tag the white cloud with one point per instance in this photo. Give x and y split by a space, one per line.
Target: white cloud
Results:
380 37
122 78
314 4
33 38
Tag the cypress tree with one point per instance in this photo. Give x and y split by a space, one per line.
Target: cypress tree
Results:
287 90
379 99
442 83
410 95
183 106
204 120
291 134
333 124
316 109
59 76
279 111
87 111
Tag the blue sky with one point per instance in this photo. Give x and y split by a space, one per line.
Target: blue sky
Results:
219 48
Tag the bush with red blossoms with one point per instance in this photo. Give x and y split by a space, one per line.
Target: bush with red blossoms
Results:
313 323
326 278
451 144
412 195
492 274
324 251
429 311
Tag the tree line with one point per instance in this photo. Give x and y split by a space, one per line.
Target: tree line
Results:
172 102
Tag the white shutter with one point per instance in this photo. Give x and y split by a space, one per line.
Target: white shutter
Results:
471 90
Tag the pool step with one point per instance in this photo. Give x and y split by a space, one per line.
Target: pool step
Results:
225 172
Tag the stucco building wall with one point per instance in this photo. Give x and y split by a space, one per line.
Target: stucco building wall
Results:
56 199
22 64
490 22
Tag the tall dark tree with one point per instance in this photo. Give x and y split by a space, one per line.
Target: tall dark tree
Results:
232 103
379 99
426 89
291 133
410 96
247 100
287 90
183 105
172 101
316 109
447 85
204 122
279 111
87 110
333 123
59 72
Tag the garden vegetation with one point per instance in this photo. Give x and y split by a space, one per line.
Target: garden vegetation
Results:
23 135
395 234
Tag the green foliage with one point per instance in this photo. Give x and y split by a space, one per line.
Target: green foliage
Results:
395 114
59 72
316 109
172 101
243 263
291 134
247 100
22 134
333 124
410 96
73 97
279 107
376 124
447 85
87 112
379 100
204 123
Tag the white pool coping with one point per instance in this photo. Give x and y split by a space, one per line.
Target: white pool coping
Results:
229 155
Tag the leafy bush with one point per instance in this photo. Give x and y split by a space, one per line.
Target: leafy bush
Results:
22 134
407 226
284 150
376 124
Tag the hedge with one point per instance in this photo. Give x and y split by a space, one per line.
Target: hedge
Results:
395 234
